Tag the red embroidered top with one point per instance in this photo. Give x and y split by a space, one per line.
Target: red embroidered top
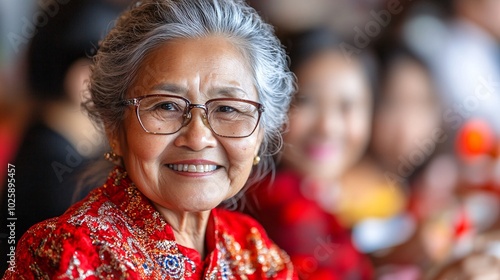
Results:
319 247
116 233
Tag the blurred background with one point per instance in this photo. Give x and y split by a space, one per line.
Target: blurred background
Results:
423 200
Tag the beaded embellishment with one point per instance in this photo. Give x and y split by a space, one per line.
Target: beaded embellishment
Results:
116 233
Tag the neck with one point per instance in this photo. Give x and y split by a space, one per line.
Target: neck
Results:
189 227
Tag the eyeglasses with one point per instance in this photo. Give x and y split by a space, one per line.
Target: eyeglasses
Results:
167 114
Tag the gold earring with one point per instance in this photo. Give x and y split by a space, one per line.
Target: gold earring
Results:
256 160
111 156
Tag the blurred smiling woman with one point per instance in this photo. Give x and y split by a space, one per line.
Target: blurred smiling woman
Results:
327 133
190 94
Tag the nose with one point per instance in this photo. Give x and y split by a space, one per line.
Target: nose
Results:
330 122
196 133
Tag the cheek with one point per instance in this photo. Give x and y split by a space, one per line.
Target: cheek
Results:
387 123
146 148
358 128
357 139
384 131
141 145
240 153
298 127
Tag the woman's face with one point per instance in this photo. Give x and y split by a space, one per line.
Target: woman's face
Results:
408 113
329 118
199 70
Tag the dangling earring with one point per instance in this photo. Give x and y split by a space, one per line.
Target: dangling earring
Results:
256 160
111 156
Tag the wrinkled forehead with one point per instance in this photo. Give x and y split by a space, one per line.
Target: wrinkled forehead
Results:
212 66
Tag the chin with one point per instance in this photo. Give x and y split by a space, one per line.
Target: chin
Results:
327 171
197 208
193 208
198 205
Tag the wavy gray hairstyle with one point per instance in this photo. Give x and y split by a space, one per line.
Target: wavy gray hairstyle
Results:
149 24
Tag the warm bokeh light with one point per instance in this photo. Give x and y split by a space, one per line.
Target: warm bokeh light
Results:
475 138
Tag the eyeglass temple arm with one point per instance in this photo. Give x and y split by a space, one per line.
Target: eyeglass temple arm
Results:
128 102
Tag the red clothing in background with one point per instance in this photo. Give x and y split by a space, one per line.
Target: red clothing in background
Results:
116 233
318 245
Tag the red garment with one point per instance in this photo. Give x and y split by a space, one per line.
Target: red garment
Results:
116 233
320 248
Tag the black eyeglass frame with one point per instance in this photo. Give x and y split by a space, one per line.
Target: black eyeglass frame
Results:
187 113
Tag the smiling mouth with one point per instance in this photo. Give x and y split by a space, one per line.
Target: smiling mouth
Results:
192 168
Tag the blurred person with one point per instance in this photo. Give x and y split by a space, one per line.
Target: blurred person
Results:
472 82
467 65
329 127
407 115
406 131
404 93
59 140
190 96
467 68
405 187
414 152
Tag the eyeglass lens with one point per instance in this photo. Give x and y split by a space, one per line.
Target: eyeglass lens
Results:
226 117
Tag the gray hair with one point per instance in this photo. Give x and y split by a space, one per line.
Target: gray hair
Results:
149 24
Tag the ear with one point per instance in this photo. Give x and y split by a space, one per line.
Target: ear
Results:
75 80
116 140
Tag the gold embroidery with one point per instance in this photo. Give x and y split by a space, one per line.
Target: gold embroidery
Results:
271 259
130 237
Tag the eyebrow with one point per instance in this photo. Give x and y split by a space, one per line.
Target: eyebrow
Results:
171 88
234 92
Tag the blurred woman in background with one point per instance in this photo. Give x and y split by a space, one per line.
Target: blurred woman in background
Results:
406 130
60 138
329 127
405 190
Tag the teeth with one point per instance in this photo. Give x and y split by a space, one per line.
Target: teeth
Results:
193 168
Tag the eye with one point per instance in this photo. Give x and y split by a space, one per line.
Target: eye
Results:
226 109
167 106
233 109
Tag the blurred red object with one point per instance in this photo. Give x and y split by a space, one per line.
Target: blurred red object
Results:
463 224
8 147
475 138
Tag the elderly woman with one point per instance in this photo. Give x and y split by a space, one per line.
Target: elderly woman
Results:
191 97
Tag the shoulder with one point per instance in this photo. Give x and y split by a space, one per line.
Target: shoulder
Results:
44 248
44 143
247 245
55 246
